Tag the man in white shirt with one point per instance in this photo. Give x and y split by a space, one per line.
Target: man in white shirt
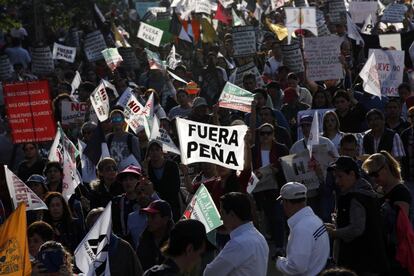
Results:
308 244
247 252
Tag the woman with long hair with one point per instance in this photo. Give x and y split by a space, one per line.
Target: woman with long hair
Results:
33 163
331 128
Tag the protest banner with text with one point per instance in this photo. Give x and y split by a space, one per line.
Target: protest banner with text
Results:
236 98
63 52
244 41
292 56
150 34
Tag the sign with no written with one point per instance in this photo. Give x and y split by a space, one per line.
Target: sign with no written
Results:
219 145
150 34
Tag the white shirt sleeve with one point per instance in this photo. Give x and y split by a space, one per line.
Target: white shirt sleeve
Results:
397 147
227 260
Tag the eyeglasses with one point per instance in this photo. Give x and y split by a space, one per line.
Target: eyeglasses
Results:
268 133
376 173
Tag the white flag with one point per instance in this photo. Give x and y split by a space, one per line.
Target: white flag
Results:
161 135
132 112
173 58
369 74
100 102
251 185
313 138
75 83
353 31
91 255
19 192
368 25
148 113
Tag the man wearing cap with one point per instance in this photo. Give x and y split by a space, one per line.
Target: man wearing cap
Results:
308 245
359 243
199 111
183 109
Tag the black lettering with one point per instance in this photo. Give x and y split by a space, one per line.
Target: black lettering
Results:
233 139
223 135
204 151
217 153
202 132
192 146
213 134
231 159
191 128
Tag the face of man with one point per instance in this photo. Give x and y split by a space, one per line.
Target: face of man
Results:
182 98
117 122
344 180
349 149
292 83
404 93
306 129
249 84
260 100
393 110
375 122
341 104
156 222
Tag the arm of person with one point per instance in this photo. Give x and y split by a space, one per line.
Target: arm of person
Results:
397 147
227 260
357 219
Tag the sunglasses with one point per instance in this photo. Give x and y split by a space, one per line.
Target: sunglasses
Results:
268 133
117 120
376 173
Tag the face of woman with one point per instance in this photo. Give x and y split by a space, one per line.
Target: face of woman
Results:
56 208
266 116
266 135
330 122
108 173
30 151
53 175
35 242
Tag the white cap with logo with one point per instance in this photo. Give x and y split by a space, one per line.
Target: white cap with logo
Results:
293 190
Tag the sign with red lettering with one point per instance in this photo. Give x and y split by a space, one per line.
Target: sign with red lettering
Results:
29 110
100 102
73 112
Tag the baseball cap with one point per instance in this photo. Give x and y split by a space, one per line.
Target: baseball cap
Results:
36 178
199 101
306 119
161 207
344 163
293 190
131 169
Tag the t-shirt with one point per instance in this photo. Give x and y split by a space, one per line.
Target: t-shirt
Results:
119 147
398 193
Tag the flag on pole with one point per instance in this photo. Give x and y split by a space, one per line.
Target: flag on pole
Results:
251 185
91 255
20 193
353 31
369 74
313 138
14 248
161 135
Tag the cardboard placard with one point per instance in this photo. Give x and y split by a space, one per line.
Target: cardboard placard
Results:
73 112
394 13
337 11
244 41
130 59
94 44
361 10
42 61
203 6
63 52
292 56
5 68
249 68
150 34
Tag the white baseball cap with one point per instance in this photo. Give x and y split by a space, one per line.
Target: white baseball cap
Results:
293 190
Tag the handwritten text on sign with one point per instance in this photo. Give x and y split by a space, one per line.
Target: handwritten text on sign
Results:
150 34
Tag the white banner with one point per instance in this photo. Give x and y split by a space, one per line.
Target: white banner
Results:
219 145
19 192
369 74
244 41
236 98
203 6
150 34
361 10
42 60
100 102
63 52
390 40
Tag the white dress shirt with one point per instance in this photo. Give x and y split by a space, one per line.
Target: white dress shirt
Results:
308 245
245 254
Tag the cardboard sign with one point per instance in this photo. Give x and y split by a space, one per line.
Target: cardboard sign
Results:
337 11
321 24
249 68
390 67
112 58
5 68
65 53
150 34
203 6
29 109
361 10
142 7
390 40
236 98
129 57
73 38
244 41
94 44
394 13
219 145
292 56
73 112
301 18
322 55
42 61
100 102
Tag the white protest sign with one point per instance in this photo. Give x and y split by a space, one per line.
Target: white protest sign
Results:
322 55
244 41
226 3
173 59
311 112
100 102
390 67
292 56
361 10
63 52
162 136
42 60
130 59
390 40
369 74
133 114
321 24
203 6
300 18
249 68
112 58
251 185
75 82
93 45
109 85
5 68
219 145
150 34
394 13
19 192
277 4
236 98
337 11
73 112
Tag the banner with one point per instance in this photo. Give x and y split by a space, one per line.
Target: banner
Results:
236 98
337 11
130 59
361 10
133 114
93 45
29 110
244 41
394 13
73 113
322 56
42 61
112 58
14 250
219 145
162 136
19 192
150 34
65 53
390 67
300 18
292 56
369 74
6 69
91 255
203 6
100 102
203 209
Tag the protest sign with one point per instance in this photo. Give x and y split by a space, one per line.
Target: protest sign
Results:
161 135
249 68
390 40
394 13
63 52
321 24
244 41
150 34
251 185
129 57
100 102
5 68
337 11
322 55
369 74
368 25
154 60
133 114
112 58
236 98
142 7
203 209
219 145
173 59
72 38
73 112
203 6
93 45
29 109
19 192
277 4
123 100
299 167
390 67
42 61
226 3
301 18
292 56
311 112
361 10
